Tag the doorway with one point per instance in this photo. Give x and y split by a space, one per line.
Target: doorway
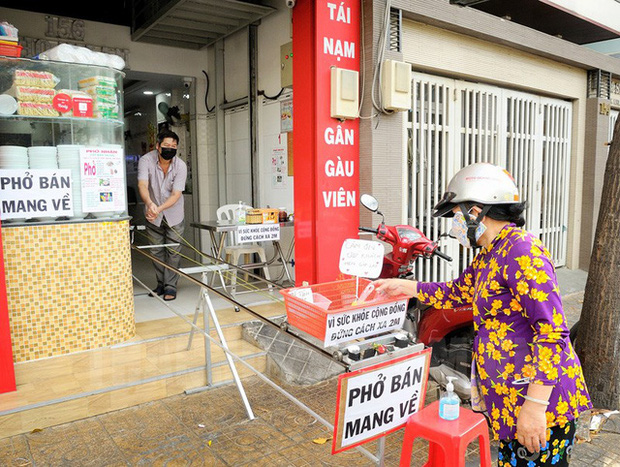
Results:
153 101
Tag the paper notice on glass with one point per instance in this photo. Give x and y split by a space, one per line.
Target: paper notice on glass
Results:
286 116
103 179
279 161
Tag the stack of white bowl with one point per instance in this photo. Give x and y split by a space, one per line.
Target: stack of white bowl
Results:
69 158
42 157
13 157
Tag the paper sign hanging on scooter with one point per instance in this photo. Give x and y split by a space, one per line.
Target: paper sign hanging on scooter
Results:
361 258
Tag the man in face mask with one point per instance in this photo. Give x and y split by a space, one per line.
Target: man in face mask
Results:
161 181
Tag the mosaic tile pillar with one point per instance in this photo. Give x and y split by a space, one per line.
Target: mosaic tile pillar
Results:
69 287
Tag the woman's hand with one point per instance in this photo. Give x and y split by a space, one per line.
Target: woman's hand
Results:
391 287
532 426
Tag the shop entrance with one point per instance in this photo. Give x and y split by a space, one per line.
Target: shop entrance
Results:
152 102
456 123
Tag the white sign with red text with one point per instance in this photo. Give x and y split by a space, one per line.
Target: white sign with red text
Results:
376 401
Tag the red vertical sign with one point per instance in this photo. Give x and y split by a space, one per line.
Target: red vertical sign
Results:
326 150
7 371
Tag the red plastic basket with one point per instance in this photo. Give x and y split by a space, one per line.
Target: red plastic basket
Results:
11 50
312 318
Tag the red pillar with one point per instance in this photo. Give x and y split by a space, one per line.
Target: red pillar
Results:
7 371
325 150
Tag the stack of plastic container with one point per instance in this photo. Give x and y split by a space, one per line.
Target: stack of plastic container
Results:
104 93
9 40
34 91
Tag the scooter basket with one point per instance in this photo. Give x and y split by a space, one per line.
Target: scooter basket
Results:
339 296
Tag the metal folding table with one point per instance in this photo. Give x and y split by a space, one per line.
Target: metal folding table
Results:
221 229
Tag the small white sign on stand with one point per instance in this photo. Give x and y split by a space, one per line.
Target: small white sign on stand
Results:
364 322
361 258
258 233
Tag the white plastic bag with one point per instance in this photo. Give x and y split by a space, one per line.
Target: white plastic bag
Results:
75 54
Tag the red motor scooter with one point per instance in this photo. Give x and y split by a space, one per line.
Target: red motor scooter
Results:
449 332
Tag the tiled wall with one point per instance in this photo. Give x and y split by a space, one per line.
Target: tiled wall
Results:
69 287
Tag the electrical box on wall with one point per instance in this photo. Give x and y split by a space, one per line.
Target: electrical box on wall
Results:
344 93
286 65
396 85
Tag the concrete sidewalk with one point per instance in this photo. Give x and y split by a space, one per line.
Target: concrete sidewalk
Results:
212 428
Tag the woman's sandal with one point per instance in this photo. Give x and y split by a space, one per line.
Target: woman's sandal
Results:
169 294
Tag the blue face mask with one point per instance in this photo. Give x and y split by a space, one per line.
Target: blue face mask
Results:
459 230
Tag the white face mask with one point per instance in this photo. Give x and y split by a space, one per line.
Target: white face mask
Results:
459 230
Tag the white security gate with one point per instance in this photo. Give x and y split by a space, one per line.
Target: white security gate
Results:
555 177
456 123
431 137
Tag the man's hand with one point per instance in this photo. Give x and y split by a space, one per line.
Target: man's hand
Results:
532 426
152 212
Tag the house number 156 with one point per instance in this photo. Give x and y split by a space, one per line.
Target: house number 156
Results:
65 28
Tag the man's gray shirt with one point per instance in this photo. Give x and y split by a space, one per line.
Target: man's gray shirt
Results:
161 187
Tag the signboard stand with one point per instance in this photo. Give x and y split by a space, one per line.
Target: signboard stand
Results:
375 401
361 258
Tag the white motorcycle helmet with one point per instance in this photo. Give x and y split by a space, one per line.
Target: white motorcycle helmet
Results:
480 183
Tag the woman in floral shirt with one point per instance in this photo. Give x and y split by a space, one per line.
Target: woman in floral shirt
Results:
525 373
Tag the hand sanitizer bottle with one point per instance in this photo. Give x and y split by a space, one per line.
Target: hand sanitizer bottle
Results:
449 402
241 213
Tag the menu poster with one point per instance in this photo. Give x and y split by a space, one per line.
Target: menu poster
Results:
103 179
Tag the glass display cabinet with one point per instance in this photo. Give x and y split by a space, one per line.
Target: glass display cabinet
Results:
66 117
63 207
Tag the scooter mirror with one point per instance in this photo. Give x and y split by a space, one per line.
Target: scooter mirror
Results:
369 202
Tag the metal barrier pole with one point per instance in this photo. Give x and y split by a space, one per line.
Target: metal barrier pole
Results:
262 377
196 312
207 326
381 452
316 348
231 363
